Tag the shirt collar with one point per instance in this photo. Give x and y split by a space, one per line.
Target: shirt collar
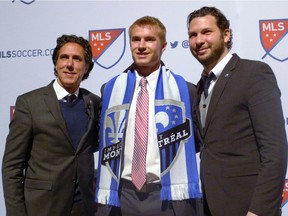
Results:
61 92
217 70
151 79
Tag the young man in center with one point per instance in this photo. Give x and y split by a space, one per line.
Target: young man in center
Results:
147 163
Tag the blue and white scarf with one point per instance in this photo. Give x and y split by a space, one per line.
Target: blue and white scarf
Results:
179 176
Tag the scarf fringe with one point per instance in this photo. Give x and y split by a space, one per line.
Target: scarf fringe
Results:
179 192
107 197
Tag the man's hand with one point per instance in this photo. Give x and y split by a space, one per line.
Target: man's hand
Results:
251 214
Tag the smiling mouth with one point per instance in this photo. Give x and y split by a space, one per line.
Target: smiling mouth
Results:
70 73
142 54
202 51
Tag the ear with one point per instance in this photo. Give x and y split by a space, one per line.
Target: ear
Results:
227 35
86 68
164 46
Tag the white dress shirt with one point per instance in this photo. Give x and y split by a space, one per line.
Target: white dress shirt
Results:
153 155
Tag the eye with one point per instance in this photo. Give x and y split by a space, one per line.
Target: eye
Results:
135 39
207 32
192 35
150 39
63 57
77 58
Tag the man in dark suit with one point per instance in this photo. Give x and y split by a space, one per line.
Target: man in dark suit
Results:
48 164
240 124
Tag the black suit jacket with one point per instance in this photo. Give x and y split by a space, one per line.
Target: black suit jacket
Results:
244 145
40 166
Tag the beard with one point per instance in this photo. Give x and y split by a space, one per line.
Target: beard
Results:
211 58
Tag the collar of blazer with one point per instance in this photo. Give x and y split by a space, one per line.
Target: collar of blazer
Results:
51 101
217 90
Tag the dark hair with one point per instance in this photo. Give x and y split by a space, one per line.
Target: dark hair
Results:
221 20
152 21
64 39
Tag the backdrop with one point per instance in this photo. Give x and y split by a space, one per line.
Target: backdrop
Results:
29 28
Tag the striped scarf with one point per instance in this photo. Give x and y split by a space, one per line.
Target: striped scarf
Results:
179 176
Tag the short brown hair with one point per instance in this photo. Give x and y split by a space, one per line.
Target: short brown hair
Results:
152 21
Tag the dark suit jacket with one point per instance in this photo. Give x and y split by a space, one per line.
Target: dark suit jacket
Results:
40 165
244 146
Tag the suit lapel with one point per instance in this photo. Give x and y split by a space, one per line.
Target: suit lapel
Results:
54 107
89 107
196 109
219 89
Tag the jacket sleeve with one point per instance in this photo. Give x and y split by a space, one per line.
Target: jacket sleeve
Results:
193 98
16 155
269 128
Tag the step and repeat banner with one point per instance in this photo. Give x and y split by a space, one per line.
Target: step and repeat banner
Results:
29 28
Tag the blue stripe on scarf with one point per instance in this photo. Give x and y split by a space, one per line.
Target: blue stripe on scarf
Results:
107 90
113 198
131 78
168 154
165 180
194 190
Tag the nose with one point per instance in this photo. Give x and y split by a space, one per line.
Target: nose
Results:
70 64
199 39
142 45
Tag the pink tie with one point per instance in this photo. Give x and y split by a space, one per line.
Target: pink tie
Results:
141 137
